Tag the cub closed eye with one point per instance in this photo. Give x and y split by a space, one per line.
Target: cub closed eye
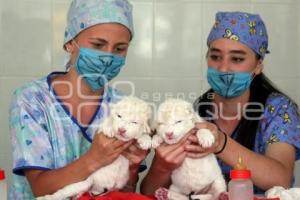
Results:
179 121
160 124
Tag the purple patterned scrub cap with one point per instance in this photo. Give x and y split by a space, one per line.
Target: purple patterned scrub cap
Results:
86 13
246 28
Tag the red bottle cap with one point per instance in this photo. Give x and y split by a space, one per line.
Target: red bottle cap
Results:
240 174
2 175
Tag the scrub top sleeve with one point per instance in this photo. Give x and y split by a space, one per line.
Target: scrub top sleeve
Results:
282 123
29 134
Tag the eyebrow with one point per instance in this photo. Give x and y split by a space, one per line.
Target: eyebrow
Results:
105 41
214 50
238 52
231 51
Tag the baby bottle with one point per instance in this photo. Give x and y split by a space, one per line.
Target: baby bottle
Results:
3 186
240 187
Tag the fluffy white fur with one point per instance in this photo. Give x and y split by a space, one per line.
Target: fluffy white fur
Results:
128 119
283 194
201 176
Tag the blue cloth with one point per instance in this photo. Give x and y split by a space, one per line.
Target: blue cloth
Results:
86 13
44 135
280 123
246 28
228 84
97 68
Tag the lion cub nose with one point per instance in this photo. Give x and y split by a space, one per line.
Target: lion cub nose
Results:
169 135
121 130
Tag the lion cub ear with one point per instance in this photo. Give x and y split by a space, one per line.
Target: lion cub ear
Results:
153 127
146 127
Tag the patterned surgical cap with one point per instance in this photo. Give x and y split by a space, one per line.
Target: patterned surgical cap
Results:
86 13
246 28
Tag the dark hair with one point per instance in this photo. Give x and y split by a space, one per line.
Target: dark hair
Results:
260 89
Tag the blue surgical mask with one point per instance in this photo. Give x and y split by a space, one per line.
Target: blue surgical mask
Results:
97 67
229 84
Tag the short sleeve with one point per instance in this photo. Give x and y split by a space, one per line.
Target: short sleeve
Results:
281 122
29 134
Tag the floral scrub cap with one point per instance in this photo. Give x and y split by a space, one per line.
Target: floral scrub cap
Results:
246 28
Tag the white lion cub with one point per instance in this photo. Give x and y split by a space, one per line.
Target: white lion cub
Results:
196 178
128 119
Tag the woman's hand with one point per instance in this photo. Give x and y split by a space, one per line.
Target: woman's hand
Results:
169 157
135 155
102 152
105 150
195 150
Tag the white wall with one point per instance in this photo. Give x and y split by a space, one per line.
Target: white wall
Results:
166 58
